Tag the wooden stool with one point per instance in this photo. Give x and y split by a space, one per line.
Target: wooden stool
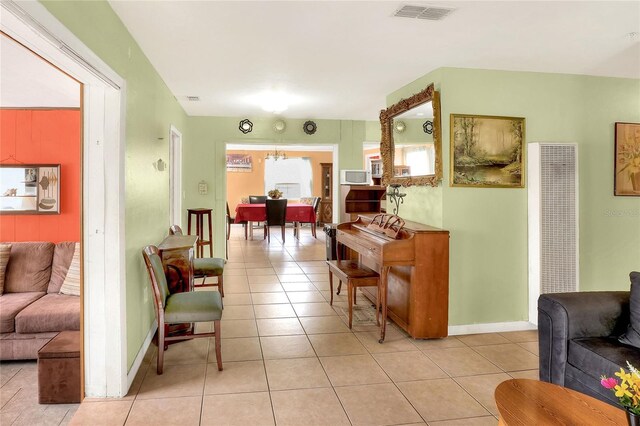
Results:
200 214
59 369
355 275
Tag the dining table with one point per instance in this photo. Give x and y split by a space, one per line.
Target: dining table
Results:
296 213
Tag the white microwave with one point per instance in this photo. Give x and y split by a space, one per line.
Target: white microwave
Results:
355 177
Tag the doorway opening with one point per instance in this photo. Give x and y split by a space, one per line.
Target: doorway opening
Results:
103 326
175 176
299 172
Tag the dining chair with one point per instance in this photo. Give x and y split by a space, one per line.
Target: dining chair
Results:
231 220
205 267
316 211
315 203
257 199
180 308
276 216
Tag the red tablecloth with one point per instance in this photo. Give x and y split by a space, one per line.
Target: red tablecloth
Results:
258 213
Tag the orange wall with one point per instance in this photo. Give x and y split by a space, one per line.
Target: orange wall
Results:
241 184
44 137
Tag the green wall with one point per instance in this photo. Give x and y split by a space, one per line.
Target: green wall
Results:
150 110
205 146
488 272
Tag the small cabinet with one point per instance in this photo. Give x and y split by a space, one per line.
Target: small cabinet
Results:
360 199
376 172
326 198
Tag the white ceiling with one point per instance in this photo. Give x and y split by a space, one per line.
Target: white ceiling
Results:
342 58
27 81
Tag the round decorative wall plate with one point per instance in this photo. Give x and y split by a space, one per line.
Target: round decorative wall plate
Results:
279 126
309 127
399 126
428 127
245 126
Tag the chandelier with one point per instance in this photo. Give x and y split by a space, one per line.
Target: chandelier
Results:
276 155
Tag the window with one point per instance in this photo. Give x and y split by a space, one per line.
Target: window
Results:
293 176
420 159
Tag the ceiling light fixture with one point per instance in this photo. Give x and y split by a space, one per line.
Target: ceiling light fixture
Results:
274 101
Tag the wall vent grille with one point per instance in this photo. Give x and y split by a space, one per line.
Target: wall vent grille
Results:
559 221
553 220
423 12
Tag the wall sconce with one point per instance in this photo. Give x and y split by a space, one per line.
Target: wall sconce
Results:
159 165
396 197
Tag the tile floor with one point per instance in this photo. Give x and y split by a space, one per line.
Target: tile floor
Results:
290 359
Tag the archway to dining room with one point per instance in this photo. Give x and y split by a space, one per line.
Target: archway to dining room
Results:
302 174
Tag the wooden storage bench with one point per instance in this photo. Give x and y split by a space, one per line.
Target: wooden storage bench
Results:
59 369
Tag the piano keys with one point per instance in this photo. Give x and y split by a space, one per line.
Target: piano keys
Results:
417 266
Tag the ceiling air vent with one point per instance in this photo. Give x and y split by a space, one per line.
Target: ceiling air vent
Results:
193 98
423 12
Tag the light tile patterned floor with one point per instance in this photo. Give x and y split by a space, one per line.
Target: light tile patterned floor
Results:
290 359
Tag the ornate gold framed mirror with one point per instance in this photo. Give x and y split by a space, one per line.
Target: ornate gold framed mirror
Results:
411 144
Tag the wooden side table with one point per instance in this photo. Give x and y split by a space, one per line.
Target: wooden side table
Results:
199 217
177 252
59 370
532 402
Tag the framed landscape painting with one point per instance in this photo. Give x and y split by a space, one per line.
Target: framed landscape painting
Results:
627 155
487 151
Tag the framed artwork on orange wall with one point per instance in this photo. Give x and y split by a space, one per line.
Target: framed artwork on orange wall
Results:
239 163
29 189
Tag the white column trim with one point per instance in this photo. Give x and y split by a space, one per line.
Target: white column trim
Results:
104 291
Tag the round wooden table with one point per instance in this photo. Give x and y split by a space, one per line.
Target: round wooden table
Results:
532 402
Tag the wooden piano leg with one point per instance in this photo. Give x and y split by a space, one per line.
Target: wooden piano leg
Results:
350 298
378 306
331 287
383 297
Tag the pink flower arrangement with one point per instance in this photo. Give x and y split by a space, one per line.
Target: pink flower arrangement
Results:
608 383
627 389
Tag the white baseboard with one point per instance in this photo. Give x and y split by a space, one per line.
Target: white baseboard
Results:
491 327
138 361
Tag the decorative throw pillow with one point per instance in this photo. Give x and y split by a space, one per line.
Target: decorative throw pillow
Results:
5 251
71 284
632 336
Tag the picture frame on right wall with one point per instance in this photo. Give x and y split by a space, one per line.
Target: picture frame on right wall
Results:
627 160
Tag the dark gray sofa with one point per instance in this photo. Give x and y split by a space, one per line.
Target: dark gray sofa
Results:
578 338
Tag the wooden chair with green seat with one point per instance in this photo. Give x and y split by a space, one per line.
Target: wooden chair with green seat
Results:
205 267
180 308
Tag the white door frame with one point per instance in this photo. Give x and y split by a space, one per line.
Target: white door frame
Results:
175 177
103 293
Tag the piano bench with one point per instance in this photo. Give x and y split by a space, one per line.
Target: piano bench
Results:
355 275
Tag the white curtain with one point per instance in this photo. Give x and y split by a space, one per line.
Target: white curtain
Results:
421 159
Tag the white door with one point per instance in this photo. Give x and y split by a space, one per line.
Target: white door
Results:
175 177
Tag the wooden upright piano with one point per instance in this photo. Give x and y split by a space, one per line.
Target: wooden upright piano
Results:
418 274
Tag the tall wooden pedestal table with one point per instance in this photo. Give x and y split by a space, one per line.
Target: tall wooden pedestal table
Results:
177 253
532 402
200 215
